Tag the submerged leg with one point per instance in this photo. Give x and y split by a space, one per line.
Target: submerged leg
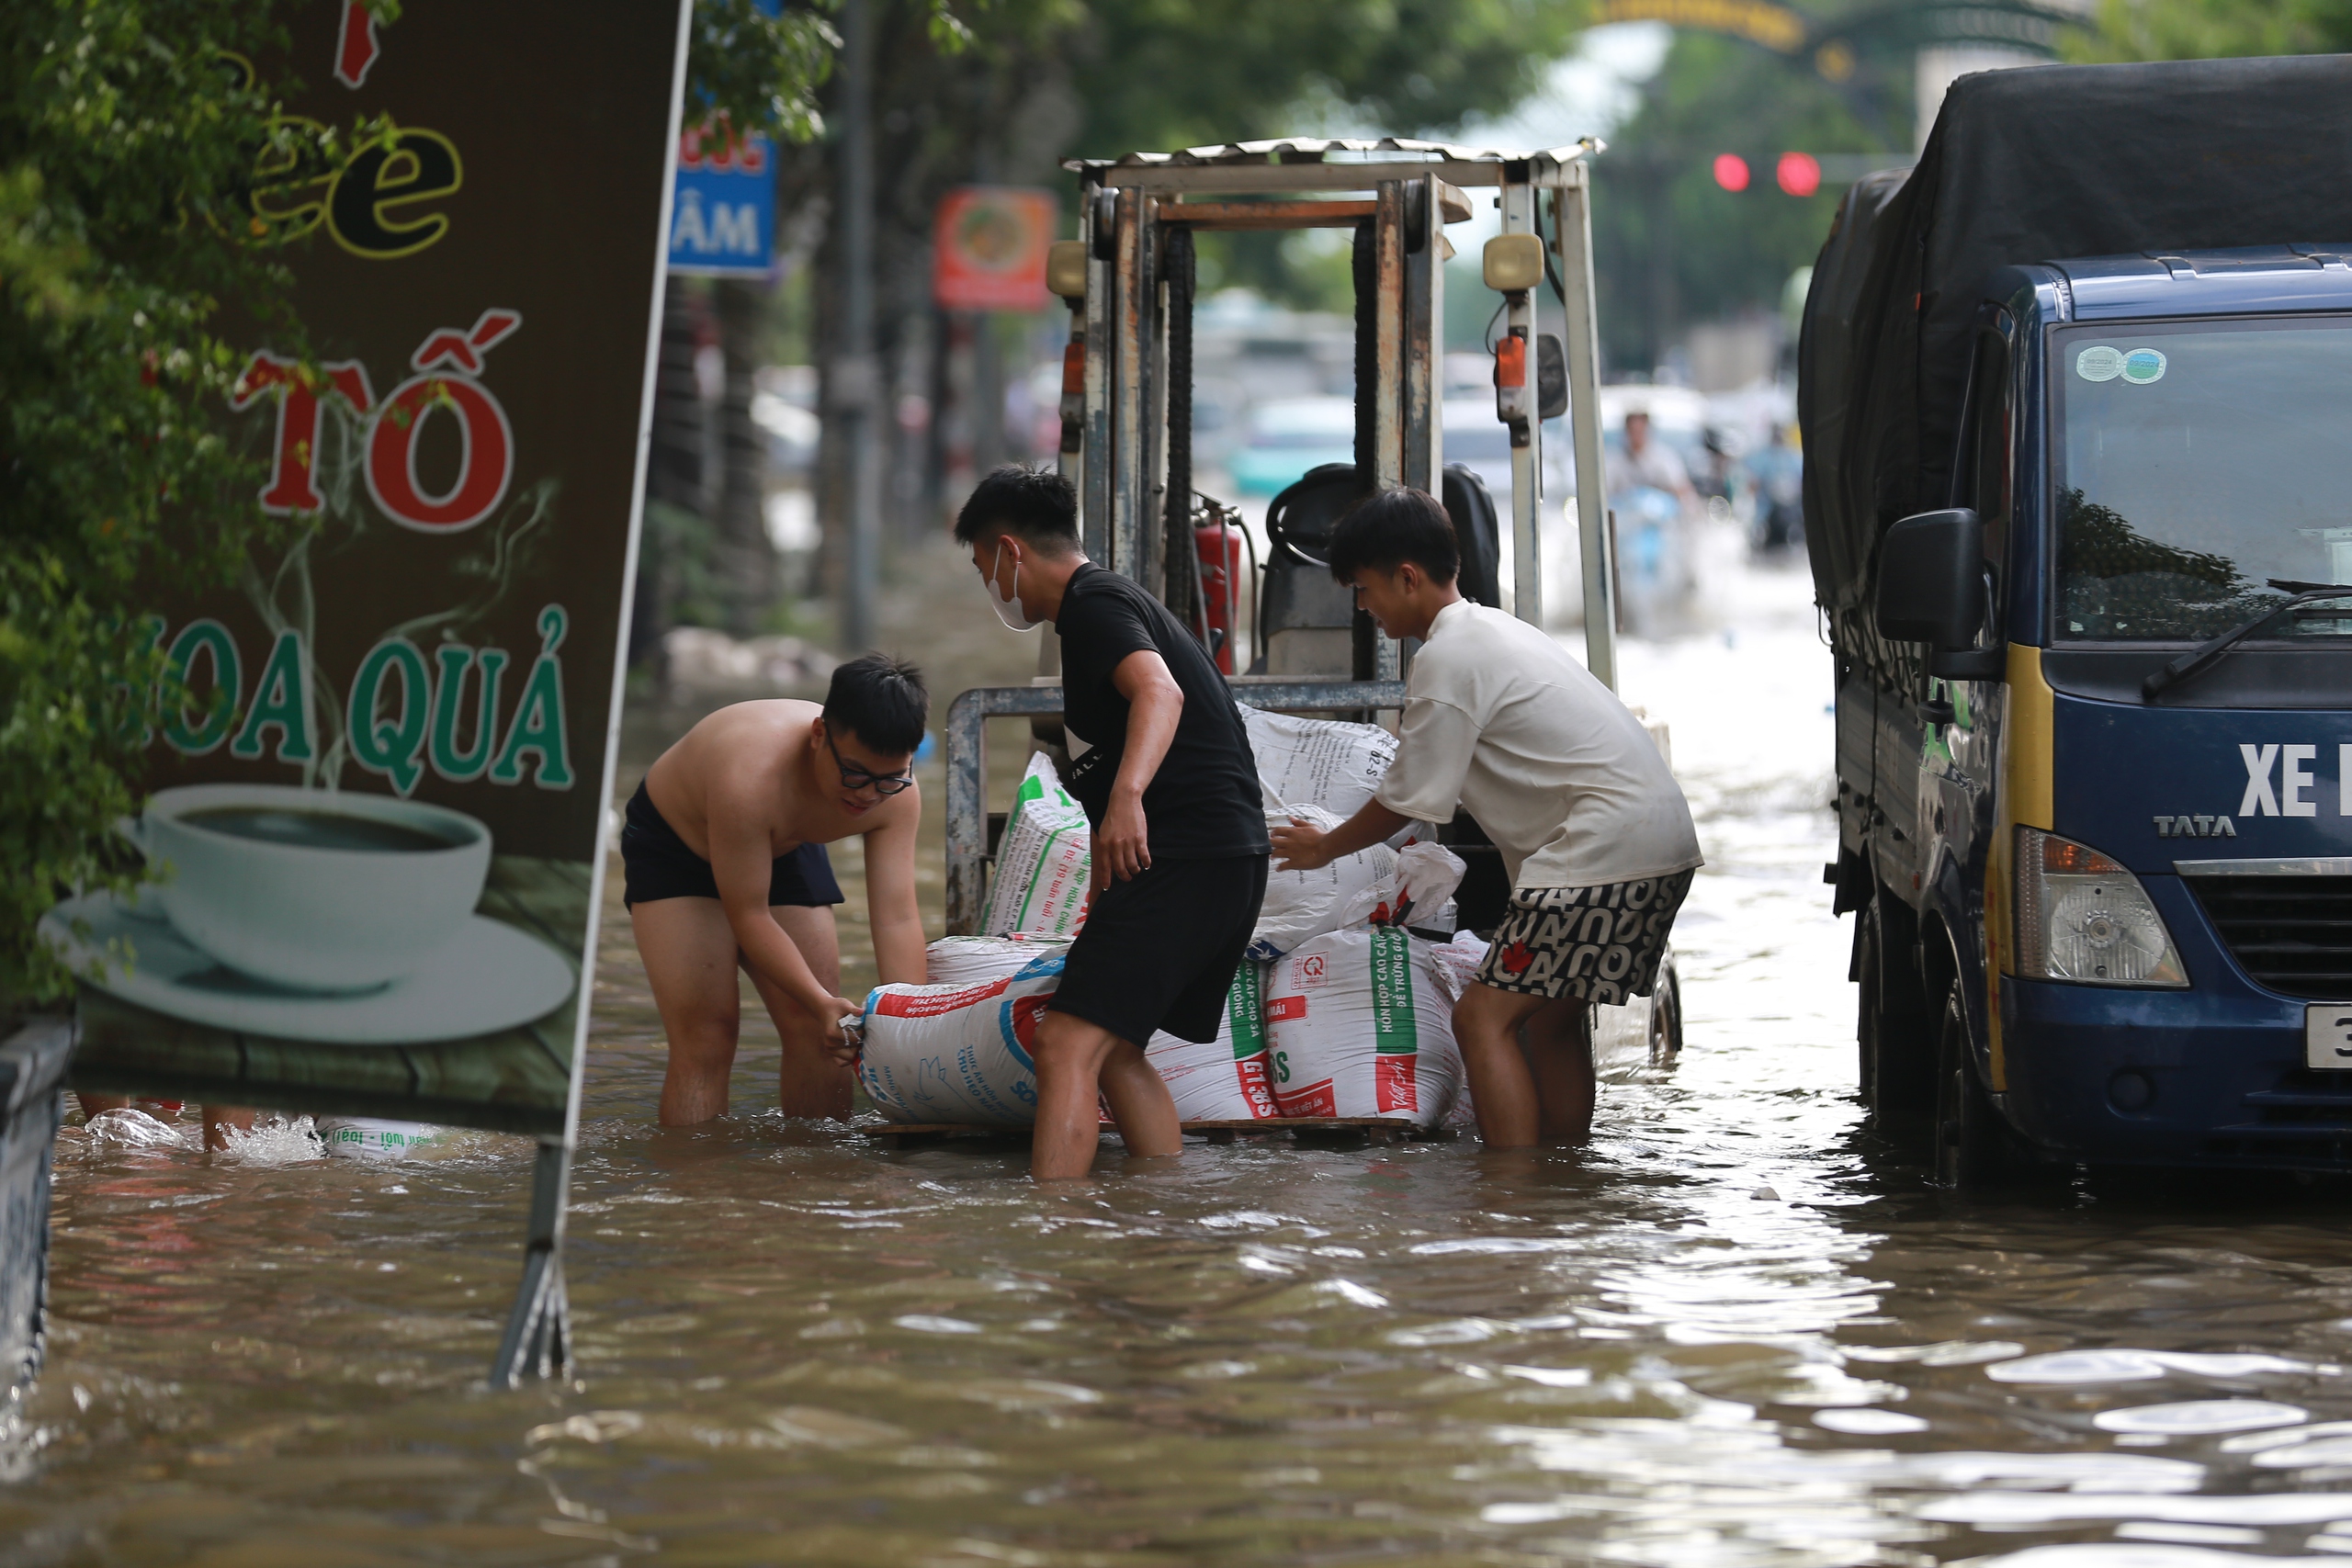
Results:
689 953
1141 1106
1485 1027
810 1083
1070 1054
1557 1038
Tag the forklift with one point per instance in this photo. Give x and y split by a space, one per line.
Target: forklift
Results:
1126 426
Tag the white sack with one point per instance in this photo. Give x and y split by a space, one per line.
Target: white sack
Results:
976 960
1039 886
1418 891
1224 1080
1318 761
1456 963
1358 1025
1303 904
957 1053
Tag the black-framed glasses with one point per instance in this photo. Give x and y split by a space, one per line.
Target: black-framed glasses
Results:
854 777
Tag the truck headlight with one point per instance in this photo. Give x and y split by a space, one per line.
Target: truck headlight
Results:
2081 916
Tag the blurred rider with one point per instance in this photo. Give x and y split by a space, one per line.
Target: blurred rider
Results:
1650 463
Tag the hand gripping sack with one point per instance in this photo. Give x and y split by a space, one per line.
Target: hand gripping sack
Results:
1357 1025
957 1053
1224 1080
1043 863
1303 904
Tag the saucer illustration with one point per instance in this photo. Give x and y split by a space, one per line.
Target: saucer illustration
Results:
487 977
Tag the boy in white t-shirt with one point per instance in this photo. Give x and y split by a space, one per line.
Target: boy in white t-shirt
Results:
1594 832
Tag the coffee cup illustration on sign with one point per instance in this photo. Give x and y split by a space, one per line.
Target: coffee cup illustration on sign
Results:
316 915
313 891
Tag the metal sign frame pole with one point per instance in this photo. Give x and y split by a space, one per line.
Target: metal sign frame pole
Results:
538 1342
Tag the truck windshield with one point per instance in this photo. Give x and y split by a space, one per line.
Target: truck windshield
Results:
2194 462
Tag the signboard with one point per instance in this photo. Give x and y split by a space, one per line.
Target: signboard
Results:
722 216
988 248
379 819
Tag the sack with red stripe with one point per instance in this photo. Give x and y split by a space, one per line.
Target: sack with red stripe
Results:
1225 1080
1359 1024
958 1054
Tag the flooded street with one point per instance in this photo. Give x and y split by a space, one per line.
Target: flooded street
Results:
1734 1331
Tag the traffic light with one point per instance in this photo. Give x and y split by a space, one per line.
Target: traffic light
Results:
1797 174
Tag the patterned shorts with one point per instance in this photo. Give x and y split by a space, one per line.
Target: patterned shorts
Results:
1601 943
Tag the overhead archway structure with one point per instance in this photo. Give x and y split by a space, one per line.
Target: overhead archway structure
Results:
1833 42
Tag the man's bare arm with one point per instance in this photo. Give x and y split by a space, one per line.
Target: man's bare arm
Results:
742 864
1301 847
891 909
1121 844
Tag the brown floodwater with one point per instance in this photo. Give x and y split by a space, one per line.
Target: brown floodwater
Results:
1733 1331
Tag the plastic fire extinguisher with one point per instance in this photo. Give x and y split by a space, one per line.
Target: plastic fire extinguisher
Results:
1218 546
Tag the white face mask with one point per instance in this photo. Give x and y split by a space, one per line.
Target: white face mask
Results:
1008 605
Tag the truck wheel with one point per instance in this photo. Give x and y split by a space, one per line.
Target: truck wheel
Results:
1894 1029
1975 1148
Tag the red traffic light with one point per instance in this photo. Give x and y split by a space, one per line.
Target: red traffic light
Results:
1731 171
1799 174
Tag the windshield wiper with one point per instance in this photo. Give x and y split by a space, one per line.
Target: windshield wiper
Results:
2197 660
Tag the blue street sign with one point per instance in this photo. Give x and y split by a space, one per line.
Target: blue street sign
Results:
723 220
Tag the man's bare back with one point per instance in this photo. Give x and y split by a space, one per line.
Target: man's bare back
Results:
724 866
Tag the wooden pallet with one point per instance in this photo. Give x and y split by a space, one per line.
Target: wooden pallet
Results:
1316 1129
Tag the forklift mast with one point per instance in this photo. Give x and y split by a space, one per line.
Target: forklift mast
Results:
1126 413
1127 403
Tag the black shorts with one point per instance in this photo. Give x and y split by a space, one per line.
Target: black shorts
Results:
1161 952
659 865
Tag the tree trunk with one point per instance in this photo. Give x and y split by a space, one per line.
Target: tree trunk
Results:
746 561
673 477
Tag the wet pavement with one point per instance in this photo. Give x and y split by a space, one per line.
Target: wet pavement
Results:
1733 1331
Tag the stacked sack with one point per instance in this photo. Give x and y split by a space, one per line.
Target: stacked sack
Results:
1318 761
1361 1023
1043 863
959 1052
1322 772
1226 1079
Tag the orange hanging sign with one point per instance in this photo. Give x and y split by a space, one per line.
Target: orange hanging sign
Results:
988 248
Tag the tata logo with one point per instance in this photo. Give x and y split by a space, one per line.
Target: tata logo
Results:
2197 827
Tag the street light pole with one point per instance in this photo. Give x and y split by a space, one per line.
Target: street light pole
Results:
857 390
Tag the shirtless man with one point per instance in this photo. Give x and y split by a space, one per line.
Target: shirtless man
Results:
724 846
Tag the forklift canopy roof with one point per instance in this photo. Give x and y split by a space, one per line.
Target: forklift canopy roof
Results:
2032 164
1289 152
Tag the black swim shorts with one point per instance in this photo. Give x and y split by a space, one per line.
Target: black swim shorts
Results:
659 865
1161 950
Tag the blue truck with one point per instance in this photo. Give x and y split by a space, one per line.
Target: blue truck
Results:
2077 400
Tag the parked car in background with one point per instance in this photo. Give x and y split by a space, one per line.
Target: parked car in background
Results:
1288 436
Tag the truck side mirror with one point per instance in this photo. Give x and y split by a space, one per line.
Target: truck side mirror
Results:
1931 589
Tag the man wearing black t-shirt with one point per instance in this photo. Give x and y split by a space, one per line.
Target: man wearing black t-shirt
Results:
1164 767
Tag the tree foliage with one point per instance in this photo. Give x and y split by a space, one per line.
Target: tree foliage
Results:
2199 30
128 129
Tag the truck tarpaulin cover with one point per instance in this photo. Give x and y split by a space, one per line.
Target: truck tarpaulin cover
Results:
2039 163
